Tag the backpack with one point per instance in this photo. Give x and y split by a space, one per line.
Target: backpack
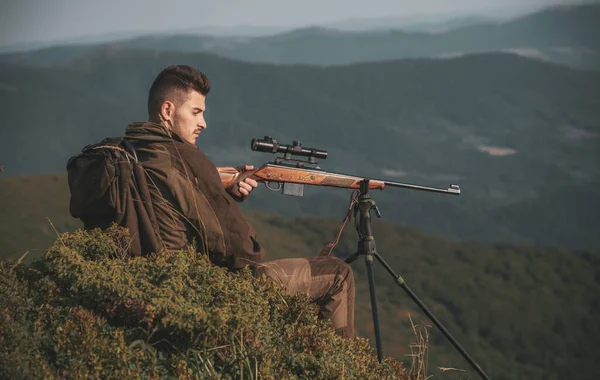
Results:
108 185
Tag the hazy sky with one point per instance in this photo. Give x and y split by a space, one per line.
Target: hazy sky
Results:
45 20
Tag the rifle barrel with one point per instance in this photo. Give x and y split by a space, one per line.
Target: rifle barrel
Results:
453 189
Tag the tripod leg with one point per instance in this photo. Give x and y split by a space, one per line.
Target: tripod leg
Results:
369 263
400 281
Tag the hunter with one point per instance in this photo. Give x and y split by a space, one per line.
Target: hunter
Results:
192 205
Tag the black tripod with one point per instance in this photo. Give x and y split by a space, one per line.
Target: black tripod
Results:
366 246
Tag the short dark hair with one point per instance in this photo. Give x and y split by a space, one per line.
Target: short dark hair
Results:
174 83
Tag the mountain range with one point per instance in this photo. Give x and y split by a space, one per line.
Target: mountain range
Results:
565 35
506 128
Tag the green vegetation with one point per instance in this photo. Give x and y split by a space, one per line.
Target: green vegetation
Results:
87 310
522 312
32 211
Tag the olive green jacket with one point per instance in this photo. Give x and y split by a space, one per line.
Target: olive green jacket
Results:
189 200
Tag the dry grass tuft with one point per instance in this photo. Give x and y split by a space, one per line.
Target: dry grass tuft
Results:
419 351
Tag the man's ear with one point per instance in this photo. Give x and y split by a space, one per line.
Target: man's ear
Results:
167 110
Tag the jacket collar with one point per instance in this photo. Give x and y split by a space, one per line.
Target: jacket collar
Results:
148 131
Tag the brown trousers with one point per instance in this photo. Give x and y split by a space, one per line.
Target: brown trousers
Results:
328 281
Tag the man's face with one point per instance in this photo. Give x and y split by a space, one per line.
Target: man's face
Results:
188 120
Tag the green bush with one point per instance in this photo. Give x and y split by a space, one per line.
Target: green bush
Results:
88 310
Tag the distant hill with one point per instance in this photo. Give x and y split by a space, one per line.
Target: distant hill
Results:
565 35
514 308
529 127
422 24
558 217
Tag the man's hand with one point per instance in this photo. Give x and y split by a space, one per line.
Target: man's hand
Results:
246 186
241 189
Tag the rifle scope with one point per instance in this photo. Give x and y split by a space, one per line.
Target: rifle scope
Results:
270 145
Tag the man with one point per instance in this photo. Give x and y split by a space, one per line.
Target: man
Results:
192 205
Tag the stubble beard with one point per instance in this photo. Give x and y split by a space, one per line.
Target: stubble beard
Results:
177 129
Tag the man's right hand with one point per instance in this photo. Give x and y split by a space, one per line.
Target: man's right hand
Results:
240 190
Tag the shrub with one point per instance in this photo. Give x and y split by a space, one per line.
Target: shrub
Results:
88 310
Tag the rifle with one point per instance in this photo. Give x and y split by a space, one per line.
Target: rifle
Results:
292 173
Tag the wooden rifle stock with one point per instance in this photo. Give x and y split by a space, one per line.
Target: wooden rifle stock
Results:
284 174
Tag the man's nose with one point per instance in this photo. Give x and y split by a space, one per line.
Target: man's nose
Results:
202 123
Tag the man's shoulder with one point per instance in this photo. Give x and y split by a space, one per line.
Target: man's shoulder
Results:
188 153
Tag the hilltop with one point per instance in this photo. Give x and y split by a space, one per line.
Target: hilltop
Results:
88 310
